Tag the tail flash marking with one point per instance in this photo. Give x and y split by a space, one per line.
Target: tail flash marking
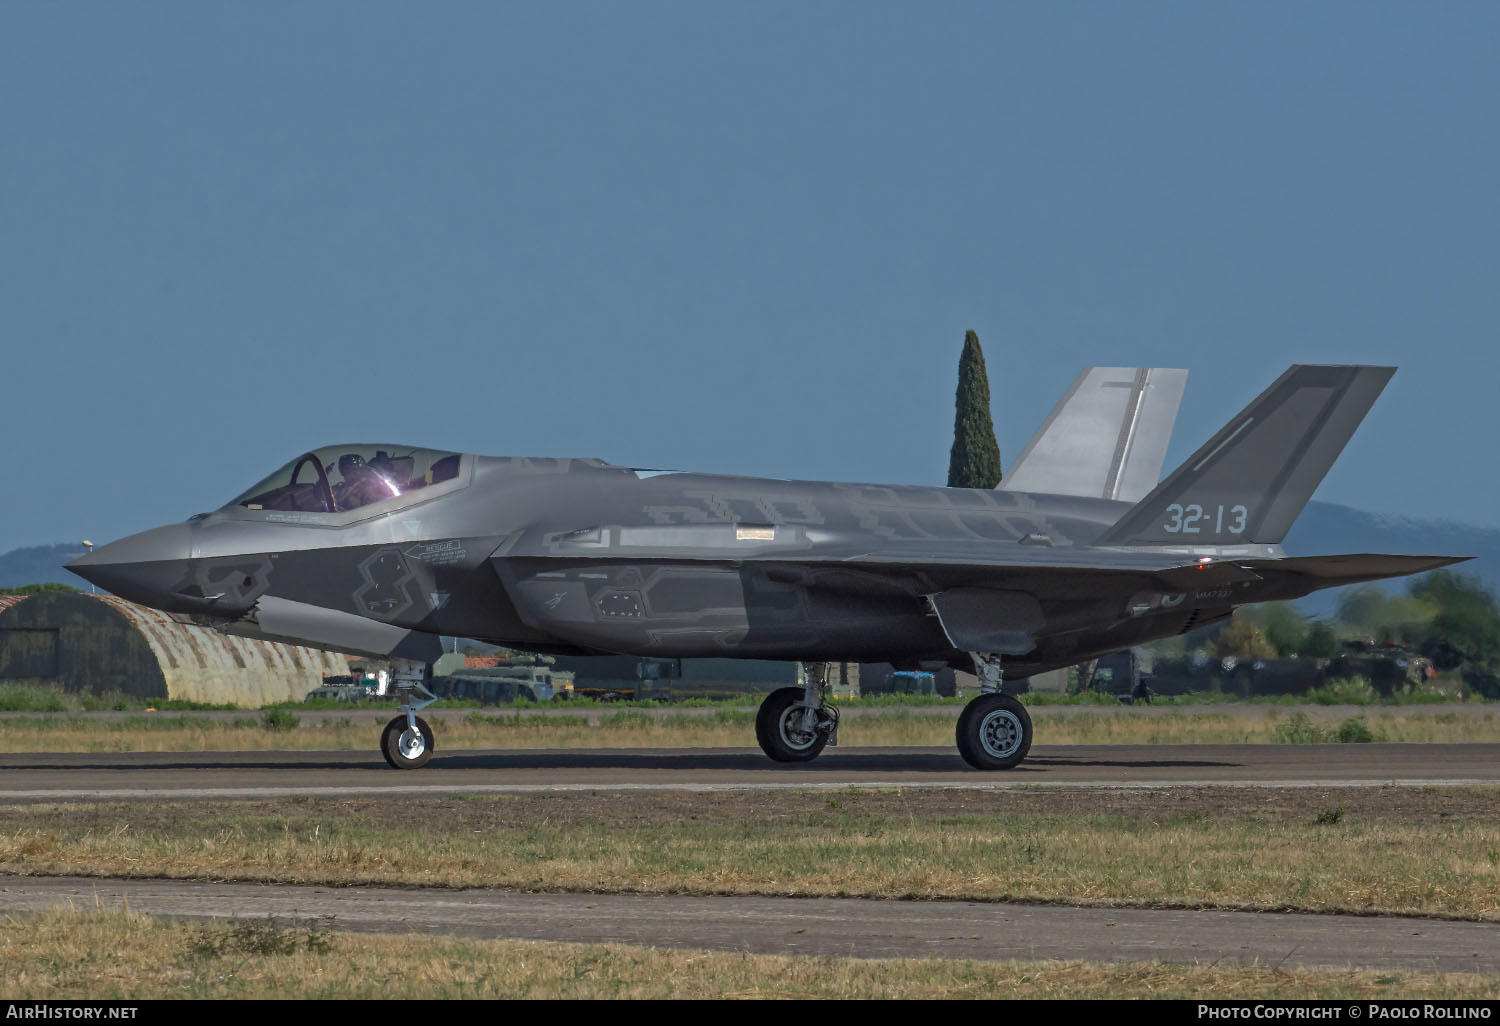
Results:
1251 480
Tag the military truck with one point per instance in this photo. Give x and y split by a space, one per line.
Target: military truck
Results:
1389 666
500 685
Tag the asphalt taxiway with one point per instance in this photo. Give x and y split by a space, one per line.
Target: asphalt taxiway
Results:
109 776
849 927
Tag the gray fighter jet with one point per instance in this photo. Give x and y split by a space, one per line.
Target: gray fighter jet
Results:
379 549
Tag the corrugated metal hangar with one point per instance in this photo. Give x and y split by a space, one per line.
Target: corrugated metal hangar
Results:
102 644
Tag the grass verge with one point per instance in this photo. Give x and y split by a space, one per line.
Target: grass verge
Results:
64 954
1375 850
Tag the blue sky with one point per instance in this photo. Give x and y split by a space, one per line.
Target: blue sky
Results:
743 238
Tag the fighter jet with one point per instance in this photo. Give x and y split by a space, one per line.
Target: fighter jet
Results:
380 549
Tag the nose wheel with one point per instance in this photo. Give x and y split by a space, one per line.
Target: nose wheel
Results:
407 741
405 746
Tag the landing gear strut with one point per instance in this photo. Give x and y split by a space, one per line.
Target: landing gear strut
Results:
795 724
994 730
407 741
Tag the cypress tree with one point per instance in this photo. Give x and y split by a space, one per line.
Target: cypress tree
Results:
975 459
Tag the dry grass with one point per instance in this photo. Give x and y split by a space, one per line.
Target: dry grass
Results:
64 954
1258 849
168 732
1265 725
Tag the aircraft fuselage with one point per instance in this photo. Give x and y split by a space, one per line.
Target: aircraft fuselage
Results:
582 556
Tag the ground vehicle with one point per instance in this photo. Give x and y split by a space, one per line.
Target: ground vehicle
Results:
356 687
499 685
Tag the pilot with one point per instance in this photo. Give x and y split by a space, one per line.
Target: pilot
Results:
360 485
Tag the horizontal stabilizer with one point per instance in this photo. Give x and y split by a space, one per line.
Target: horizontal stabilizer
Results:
1106 438
1332 571
1250 481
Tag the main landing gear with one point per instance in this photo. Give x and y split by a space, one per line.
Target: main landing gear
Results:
795 724
407 741
994 729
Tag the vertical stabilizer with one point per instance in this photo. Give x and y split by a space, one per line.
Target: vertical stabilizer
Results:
1106 438
1248 482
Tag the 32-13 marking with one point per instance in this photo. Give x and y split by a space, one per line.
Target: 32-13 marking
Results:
1188 519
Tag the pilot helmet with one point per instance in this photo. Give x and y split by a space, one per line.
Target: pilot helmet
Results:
349 462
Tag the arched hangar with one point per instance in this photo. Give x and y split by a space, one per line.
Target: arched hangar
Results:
102 644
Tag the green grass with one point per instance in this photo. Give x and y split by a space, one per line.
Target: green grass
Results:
31 698
51 698
1300 730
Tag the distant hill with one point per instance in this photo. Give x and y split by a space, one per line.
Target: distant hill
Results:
1323 528
39 564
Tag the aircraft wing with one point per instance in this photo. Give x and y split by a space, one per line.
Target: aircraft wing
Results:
1178 569
1004 563
1006 610
971 587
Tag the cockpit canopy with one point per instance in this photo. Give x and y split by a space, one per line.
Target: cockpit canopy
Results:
339 478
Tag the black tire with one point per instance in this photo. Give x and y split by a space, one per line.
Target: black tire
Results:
778 728
390 744
994 732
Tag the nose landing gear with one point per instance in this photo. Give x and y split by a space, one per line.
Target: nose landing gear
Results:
407 741
405 745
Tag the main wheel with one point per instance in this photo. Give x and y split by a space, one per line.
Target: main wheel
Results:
994 732
405 748
778 728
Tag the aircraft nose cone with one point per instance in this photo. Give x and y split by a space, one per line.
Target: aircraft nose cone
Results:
143 568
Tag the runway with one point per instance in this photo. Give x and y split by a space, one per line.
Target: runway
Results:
229 775
859 928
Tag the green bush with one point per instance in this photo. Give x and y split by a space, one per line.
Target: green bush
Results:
114 701
31 698
279 720
1345 691
1354 731
1299 730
